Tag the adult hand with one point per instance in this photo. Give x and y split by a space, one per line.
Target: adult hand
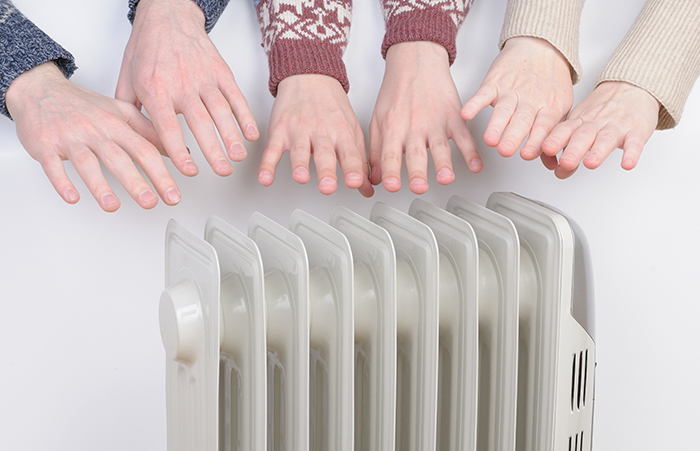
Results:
57 120
615 115
529 87
171 67
417 109
312 115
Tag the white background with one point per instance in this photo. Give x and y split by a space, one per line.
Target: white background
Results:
81 361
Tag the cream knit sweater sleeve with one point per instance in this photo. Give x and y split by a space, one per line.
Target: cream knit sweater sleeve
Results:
661 54
556 21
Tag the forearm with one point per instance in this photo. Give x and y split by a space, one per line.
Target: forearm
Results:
295 44
555 21
660 54
424 21
23 46
212 10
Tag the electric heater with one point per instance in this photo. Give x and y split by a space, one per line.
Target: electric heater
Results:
464 328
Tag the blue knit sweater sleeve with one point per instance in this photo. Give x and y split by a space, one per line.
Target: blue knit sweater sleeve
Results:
212 11
22 46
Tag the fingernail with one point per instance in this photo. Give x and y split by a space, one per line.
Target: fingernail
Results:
302 172
444 173
252 131
327 182
353 177
172 196
148 197
265 177
189 167
238 152
110 200
71 195
417 182
476 165
392 182
223 165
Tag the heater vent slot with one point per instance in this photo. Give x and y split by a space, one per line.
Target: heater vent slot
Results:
576 442
579 380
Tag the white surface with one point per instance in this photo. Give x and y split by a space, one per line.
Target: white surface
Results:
82 364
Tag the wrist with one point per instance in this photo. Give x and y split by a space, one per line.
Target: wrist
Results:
32 84
180 8
301 82
414 55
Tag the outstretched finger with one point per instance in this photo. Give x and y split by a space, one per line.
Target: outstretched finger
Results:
351 159
464 141
240 108
580 143
299 157
325 162
500 118
147 157
168 128
56 173
543 126
88 167
632 148
417 163
607 140
220 112
483 97
441 151
549 161
391 161
560 136
519 127
563 173
202 126
270 159
375 153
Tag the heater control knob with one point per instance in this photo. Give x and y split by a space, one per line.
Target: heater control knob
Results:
181 322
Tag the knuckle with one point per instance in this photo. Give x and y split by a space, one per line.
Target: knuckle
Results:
83 158
439 143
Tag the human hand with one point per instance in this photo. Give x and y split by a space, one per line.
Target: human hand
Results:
615 115
312 115
529 87
171 67
57 120
417 109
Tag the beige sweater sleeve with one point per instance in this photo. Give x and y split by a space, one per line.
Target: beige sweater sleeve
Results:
661 54
556 21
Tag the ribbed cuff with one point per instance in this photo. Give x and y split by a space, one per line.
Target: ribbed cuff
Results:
660 54
293 57
423 25
22 46
212 11
555 21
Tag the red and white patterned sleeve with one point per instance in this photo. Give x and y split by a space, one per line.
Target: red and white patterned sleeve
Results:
305 37
424 20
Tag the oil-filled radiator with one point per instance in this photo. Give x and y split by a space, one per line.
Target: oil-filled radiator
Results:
464 328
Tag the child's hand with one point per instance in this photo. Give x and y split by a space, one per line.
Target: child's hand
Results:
417 109
312 115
